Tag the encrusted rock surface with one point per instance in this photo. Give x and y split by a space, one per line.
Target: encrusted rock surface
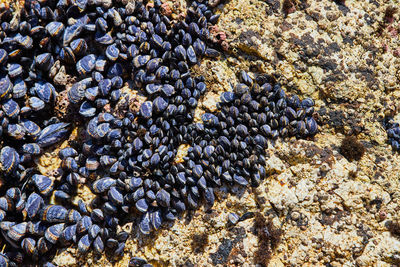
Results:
347 58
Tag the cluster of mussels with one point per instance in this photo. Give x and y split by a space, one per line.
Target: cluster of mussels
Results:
393 132
126 156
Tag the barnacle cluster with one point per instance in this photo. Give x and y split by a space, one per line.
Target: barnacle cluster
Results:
126 156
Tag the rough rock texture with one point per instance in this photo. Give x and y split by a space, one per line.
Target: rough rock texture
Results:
332 211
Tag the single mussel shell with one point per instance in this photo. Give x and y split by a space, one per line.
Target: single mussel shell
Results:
3 56
94 230
233 218
20 89
52 134
79 46
9 160
104 38
112 52
55 29
45 91
11 108
311 126
103 184
101 24
26 42
34 205
69 234
153 64
145 224
54 232
136 262
36 103
156 219
142 205
84 244
83 225
13 193
77 92
17 232
146 109
44 61
105 86
31 128
15 70
43 183
98 245
67 55
6 204
92 93
86 65
29 246
160 104
67 152
87 110
43 245
72 31
16 131
115 196
54 214
74 216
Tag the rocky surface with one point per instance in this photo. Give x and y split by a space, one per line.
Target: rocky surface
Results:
330 210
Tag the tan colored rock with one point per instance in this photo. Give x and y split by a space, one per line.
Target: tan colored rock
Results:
274 164
280 194
382 251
